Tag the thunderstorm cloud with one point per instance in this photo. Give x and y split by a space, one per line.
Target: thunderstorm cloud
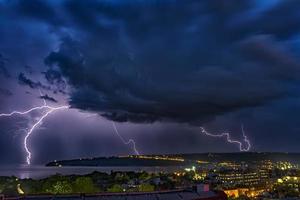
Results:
176 61
172 63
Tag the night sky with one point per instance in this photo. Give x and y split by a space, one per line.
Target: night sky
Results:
159 69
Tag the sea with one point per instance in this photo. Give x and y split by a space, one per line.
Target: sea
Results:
40 171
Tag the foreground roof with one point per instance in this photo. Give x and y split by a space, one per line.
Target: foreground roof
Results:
165 195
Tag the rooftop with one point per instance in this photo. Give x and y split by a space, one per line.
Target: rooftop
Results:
165 195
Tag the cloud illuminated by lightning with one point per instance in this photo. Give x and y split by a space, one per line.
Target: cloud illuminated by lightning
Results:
229 140
51 109
130 141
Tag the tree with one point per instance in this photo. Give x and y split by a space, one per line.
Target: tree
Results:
84 185
146 187
31 186
59 187
115 188
2 186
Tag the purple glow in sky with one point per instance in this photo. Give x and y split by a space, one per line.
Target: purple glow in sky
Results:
158 70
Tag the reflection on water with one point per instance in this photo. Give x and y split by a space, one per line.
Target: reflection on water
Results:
38 171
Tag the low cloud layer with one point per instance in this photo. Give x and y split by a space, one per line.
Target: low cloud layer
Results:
24 80
48 98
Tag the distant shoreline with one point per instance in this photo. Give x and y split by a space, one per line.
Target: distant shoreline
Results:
176 159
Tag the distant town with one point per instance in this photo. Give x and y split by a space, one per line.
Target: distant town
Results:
238 175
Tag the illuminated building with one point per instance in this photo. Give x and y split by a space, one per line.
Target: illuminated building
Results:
292 182
243 178
285 165
243 191
230 165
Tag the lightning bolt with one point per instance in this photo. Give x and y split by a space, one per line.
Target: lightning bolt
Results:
50 109
229 140
24 112
130 141
246 140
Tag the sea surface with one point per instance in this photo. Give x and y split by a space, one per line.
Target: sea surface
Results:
39 171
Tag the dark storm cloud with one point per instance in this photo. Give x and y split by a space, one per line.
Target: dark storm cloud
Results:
48 98
3 69
23 80
38 10
171 60
281 21
28 69
177 61
5 92
54 77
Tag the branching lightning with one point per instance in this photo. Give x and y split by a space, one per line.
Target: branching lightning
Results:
50 109
24 112
246 140
244 145
229 140
130 141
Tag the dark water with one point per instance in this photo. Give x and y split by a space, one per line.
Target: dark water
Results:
36 172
